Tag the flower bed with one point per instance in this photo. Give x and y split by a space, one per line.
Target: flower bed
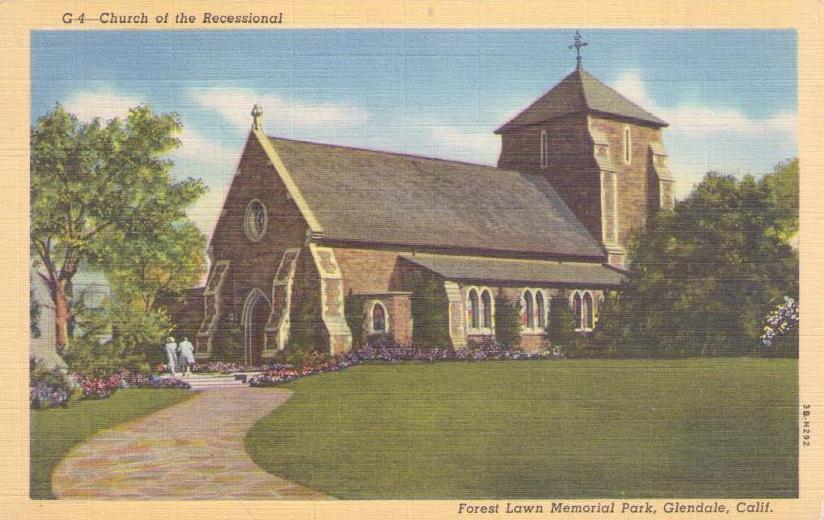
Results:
317 362
47 395
48 387
103 387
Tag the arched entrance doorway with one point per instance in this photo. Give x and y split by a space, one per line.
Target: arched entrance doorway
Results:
256 311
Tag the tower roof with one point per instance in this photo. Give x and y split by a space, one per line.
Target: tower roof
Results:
579 92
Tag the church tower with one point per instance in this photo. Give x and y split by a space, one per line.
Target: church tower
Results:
602 153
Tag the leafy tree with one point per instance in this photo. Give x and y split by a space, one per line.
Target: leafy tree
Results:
507 320
94 187
152 266
702 277
34 315
781 186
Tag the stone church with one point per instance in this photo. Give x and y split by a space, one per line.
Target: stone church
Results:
321 227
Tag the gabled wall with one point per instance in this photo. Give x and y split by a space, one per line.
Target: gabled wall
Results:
253 264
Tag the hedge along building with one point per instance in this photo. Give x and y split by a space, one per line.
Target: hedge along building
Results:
312 234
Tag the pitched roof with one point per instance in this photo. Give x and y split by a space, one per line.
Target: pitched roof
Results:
388 198
579 92
521 271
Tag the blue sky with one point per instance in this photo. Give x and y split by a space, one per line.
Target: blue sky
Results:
729 96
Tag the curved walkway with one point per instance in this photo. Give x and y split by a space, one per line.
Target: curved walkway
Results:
192 450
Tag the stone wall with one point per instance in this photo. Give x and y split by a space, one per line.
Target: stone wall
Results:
253 263
369 270
587 168
571 168
635 190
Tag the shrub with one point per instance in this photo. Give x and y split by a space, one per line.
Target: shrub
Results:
140 334
227 342
429 308
136 340
353 314
306 331
560 327
611 336
94 358
507 320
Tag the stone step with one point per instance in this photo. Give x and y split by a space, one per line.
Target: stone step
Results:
205 382
193 378
210 387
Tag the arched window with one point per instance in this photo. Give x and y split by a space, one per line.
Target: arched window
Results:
474 310
541 309
544 150
627 146
486 310
378 318
576 309
529 310
587 312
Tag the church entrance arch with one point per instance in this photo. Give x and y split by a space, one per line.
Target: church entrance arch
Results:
256 311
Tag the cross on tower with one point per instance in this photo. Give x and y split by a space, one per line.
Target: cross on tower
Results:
579 42
257 111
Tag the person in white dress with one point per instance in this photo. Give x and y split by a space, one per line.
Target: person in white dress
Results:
171 354
186 356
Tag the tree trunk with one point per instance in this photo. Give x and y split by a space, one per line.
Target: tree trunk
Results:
61 315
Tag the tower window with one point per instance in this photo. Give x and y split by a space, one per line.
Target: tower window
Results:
627 146
544 150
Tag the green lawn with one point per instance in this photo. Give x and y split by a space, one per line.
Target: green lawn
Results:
55 431
576 428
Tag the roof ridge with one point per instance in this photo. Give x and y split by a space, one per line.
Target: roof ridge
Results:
590 77
425 201
569 96
535 101
388 152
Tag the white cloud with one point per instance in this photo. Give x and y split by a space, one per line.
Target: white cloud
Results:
701 119
280 115
195 146
103 103
204 213
701 138
432 137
